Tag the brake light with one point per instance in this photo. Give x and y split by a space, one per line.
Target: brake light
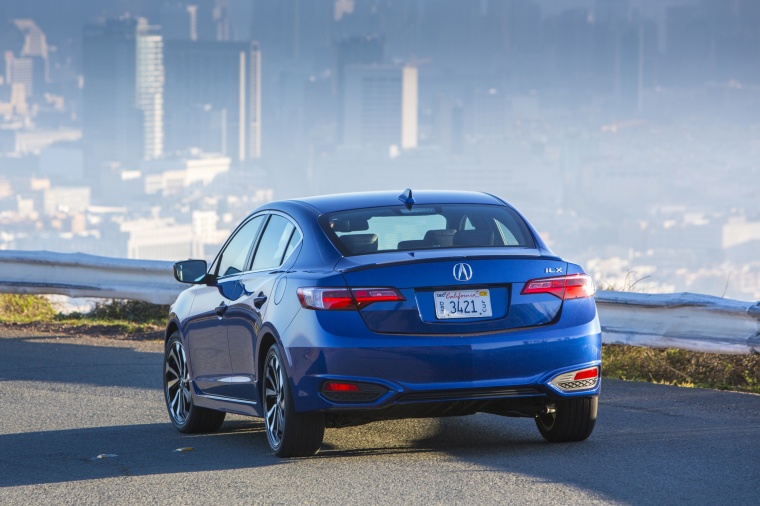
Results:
345 298
366 296
574 286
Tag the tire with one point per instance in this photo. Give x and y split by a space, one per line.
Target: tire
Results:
289 434
184 415
572 420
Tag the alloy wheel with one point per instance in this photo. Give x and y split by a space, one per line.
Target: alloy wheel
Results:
177 383
274 401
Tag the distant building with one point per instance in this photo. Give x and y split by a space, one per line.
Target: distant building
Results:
409 107
66 199
31 59
213 97
33 141
688 43
629 61
150 88
112 122
192 20
205 231
488 114
160 239
367 50
173 176
291 30
635 54
35 42
20 71
17 104
380 106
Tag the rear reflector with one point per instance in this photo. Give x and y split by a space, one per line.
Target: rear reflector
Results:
588 373
583 379
345 298
348 392
334 386
574 286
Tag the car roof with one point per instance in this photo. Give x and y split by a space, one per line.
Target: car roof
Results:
346 201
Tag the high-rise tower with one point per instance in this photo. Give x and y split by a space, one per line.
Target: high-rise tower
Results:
150 88
213 97
380 106
112 122
350 51
35 49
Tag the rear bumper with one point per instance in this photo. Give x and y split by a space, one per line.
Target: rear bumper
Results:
514 368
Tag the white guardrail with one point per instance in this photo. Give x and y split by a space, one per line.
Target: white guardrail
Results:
82 275
680 320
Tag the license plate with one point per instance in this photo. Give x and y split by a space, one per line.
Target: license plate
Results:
462 304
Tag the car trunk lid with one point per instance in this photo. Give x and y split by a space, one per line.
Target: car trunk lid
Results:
480 290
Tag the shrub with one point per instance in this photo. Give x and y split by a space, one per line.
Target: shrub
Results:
25 308
682 367
134 311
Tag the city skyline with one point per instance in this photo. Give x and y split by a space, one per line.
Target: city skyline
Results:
627 130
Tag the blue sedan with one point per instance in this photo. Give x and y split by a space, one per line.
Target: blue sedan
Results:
340 310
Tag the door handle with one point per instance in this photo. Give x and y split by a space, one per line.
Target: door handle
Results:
221 309
259 300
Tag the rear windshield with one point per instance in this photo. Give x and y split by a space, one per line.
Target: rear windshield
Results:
397 228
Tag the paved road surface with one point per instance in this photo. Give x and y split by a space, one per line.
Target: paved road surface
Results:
66 400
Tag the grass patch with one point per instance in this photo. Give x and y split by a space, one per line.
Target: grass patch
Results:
25 308
120 319
133 311
682 368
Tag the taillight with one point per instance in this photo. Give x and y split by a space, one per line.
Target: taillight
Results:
326 298
574 286
366 296
345 298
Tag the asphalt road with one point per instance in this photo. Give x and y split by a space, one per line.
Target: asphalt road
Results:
66 400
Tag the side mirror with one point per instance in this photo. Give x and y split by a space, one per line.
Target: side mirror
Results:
191 271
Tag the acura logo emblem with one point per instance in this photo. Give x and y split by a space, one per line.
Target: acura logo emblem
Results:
462 272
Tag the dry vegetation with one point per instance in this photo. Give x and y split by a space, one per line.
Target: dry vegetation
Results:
115 319
682 368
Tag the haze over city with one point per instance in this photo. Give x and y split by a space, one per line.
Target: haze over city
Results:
627 131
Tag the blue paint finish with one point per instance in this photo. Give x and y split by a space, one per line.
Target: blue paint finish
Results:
416 363
400 345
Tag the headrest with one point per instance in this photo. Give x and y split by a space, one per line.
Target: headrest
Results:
473 238
443 237
349 224
360 243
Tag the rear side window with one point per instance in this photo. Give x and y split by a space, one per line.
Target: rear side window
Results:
398 228
295 240
274 243
233 258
